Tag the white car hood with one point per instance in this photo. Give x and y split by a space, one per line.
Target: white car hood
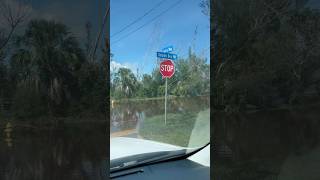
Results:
124 146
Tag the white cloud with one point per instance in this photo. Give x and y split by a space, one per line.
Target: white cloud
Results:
114 66
132 66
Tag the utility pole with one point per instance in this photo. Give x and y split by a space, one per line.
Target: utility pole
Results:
194 39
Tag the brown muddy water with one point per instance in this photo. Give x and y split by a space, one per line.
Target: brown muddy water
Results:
127 117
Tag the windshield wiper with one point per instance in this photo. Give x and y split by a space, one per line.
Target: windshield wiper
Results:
149 158
136 160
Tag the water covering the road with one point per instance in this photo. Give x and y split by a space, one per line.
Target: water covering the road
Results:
136 118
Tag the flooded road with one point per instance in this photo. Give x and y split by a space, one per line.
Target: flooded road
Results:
72 151
128 117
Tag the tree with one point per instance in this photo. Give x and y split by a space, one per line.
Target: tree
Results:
191 78
147 89
13 14
92 87
205 7
265 54
3 81
125 83
47 60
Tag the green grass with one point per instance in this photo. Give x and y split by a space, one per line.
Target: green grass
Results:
177 131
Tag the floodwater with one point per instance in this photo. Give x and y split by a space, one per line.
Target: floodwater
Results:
276 145
75 151
127 117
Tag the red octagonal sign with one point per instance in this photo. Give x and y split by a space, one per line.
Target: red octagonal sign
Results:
167 68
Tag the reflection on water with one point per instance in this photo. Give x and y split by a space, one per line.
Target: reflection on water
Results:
278 144
8 137
65 153
128 116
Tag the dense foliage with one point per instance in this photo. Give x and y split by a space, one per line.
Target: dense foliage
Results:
266 54
191 78
47 73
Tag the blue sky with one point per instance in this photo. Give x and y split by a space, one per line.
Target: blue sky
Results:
175 27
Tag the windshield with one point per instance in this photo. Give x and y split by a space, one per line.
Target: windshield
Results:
160 78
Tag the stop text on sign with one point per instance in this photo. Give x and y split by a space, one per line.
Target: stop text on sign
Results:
167 68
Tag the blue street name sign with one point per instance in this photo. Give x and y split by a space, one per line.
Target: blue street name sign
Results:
168 49
167 55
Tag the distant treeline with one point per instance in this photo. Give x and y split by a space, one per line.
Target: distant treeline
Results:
191 78
45 72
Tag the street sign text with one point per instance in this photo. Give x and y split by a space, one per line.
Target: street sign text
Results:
167 55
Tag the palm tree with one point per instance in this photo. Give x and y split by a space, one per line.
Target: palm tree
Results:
125 82
47 59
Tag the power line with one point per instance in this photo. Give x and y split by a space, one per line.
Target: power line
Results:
139 18
148 22
100 33
154 37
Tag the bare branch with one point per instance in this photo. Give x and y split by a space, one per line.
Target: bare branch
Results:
205 7
14 13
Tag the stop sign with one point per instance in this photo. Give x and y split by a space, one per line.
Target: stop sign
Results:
167 68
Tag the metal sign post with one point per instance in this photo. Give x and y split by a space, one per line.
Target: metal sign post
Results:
165 103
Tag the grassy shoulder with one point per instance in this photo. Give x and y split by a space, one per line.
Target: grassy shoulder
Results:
177 131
